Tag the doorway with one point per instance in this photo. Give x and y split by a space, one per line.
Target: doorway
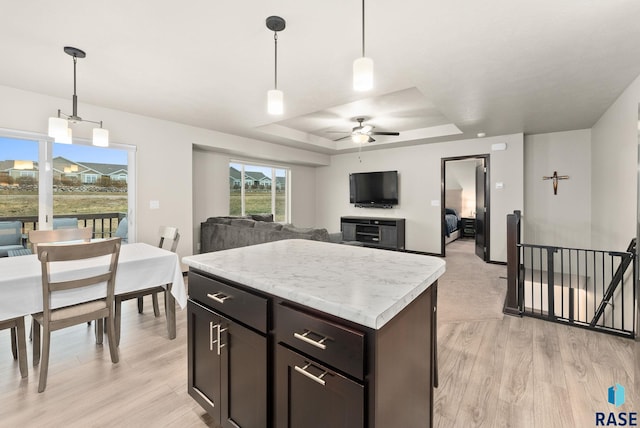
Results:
465 195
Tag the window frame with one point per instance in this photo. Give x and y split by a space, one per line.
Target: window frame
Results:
287 183
45 175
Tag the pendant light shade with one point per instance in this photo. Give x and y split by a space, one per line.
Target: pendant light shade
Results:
22 164
67 138
275 101
275 97
59 128
363 74
363 67
100 137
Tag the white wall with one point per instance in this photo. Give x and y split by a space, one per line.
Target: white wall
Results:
164 156
210 189
563 219
419 185
614 141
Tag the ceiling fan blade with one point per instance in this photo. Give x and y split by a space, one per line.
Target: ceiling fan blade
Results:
371 140
384 133
343 138
337 132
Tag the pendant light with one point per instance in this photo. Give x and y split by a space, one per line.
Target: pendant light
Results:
275 98
59 128
363 67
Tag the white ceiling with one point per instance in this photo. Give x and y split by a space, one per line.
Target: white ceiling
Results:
493 66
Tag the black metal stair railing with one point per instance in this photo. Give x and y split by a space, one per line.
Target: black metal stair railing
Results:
593 289
618 279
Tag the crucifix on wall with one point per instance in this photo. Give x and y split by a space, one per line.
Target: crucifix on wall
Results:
555 177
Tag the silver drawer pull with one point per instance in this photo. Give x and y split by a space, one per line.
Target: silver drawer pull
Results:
318 344
216 297
303 370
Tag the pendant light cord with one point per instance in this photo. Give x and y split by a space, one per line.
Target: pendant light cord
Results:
275 42
363 28
74 106
75 60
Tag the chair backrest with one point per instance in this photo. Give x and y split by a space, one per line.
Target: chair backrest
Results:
49 254
169 233
10 232
37 237
65 223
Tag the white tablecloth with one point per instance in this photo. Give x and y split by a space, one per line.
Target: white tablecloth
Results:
140 266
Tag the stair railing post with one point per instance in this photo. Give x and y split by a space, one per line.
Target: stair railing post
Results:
551 313
512 303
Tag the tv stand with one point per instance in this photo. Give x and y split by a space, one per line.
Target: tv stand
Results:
382 232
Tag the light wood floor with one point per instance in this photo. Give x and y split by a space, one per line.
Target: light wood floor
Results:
514 372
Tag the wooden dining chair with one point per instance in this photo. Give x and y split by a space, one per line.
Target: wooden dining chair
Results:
65 234
37 237
18 342
52 319
167 235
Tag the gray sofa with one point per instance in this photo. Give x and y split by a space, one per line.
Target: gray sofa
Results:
222 233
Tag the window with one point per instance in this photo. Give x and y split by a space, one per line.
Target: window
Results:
84 187
259 189
90 178
40 179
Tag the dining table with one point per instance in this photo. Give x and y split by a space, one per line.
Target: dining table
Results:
140 266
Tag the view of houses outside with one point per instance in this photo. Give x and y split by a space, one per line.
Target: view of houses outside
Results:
258 190
80 184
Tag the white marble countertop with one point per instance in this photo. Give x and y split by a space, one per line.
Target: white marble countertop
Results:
367 286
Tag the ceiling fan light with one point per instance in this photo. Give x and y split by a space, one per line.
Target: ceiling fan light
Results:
275 101
100 137
360 138
57 127
363 74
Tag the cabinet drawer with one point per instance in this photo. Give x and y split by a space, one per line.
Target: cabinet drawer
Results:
248 308
310 395
330 343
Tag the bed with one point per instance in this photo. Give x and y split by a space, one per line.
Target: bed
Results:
452 224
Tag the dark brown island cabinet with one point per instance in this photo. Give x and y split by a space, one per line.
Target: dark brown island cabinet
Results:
257 360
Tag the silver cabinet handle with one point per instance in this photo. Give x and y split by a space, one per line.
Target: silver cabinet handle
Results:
318 344
303 370
211 341
217 340
220 345
216 297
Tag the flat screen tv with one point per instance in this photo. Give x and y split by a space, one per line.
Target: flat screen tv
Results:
374 189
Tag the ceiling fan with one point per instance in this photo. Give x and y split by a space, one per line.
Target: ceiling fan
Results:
363 133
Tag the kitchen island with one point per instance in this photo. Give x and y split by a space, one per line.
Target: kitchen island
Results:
300 333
